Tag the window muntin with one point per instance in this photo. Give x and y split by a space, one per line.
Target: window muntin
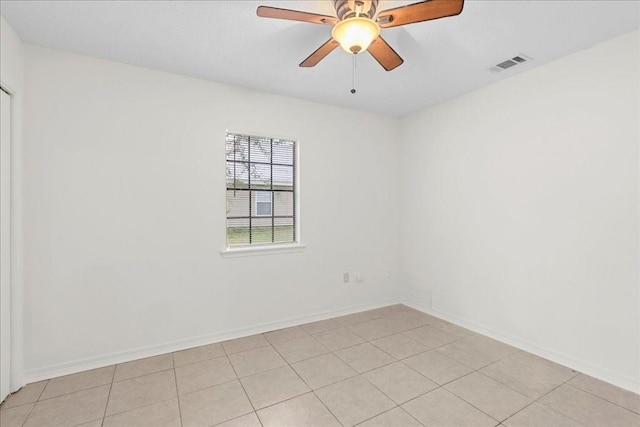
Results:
261 190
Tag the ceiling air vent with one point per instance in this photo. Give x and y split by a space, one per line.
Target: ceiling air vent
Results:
516 60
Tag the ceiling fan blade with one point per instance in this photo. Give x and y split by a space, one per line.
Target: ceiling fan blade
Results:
294 15
418 12
384 54
320 53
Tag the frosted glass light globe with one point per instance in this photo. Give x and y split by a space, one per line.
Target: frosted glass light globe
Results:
355 34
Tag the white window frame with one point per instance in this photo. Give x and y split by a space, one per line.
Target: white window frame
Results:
270 248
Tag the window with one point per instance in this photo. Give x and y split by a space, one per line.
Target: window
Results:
261 190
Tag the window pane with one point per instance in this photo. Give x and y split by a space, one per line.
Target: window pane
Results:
260 149
237 147
237 231
260 176
283 231
237 175
283 177
282 203
283 152
237 203
261 228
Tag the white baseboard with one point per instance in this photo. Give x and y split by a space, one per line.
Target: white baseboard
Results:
601 373
75 366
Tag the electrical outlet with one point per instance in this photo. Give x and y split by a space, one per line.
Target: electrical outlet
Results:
345 277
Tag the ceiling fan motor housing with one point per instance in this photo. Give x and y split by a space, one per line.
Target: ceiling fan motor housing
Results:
347 8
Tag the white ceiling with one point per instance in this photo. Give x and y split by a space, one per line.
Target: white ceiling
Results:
225 41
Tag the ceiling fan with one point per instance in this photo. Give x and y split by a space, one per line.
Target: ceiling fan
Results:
356 28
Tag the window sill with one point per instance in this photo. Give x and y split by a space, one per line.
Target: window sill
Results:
261 250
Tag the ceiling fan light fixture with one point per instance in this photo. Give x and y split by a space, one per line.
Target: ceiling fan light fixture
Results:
355 34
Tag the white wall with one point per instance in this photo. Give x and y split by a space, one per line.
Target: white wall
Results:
522 213
125 212
11 67
11 79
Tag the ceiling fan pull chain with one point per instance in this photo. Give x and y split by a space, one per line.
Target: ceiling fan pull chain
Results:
353 75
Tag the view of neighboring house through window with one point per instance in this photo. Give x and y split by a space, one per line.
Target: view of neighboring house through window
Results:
261 190
264 203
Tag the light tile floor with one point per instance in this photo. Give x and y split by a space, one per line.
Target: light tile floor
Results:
392 366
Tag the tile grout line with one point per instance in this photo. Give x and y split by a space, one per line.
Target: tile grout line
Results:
272 404
314 392
287 340
238 417
337 327
34 404
212 386
67 394
250 349
422 352
175 378
92 387
403 332
505 385
143 375
465 375
240 382
402 409
311 390
328 350
540 403
381 413
396 360
302 360
197 361
106 405
361 374
344 325
459 397
326 407
146 405
396 405
535 400
541 371
45 386
599 397
237 378
562 382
